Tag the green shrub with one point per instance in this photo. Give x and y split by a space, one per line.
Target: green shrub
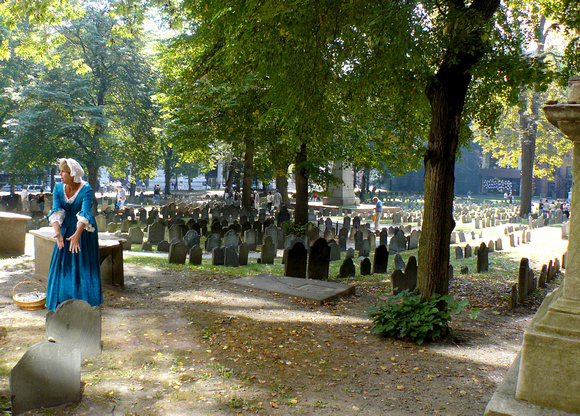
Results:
406 316
290 227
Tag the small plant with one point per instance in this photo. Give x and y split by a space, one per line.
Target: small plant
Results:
290 227
405 315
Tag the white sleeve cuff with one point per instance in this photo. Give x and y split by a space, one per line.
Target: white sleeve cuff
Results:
57 216
89 227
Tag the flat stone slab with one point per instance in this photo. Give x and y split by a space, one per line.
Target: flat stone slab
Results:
316 290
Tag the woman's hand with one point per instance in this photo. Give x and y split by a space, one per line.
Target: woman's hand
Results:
74 243
59 240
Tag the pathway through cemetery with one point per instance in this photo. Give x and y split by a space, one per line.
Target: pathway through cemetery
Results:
177 341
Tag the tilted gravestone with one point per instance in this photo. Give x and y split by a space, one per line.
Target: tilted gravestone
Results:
177 252
163 246
296 261
77 325
380 259
347 268
365 267
195 255
47 375
319 260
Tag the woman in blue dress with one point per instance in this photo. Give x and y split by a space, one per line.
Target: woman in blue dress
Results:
75 267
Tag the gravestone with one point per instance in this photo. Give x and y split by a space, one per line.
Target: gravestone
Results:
512 240
156 232
47 375
543 276
358 239
283 216
342 242
77 325
414 239
192 238
212 241
380 259
365 267
243 254
347 268
217 256
231 239
467 251
136 235
231 258
383 237
490 246
482 259
399 262
398 242
195 255
296 261
349 253
251 238
498 244
411 274
111 227
461 236
365 249
334 251
177 252
163 246
458 253
319 260
268 251
101 221
146 246
398 281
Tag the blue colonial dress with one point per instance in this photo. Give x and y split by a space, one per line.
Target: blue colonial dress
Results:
74 275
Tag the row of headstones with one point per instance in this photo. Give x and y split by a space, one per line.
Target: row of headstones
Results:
527 282
459 237
49 372
482 253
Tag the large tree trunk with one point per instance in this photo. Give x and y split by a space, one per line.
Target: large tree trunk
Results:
529 128
92 174
446 93
363 185
248 173
301 211
230 177
167 171
282 186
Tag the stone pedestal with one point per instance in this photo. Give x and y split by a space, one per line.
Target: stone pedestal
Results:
549 365
341 195
13 228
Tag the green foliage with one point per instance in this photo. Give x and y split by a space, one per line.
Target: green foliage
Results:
290 227
405 315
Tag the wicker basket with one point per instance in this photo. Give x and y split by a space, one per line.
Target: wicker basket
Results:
29 306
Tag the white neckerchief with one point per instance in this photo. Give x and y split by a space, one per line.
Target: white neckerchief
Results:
72 198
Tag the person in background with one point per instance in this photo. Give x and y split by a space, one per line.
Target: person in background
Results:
378 212
24 197
75 267
256 200
121 197
157 193
41 199
269 201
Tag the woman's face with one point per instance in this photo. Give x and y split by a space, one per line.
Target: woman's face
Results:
66 178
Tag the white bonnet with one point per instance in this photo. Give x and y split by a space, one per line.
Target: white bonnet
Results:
75 169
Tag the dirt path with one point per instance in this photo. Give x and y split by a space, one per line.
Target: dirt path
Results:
188 343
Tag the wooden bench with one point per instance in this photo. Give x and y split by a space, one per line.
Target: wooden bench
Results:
110 247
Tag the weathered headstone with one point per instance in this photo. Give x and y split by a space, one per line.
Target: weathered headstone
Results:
380 259
319 260
482 259
411 274
195 255
467 251
147 246
231 258
101 221
231 238
47 375
398 281
212 241
268 251
156 232
177 252
136 235
77 325
244 251
365 267
296 261
399 262
398 242
347 268
163 246
349 253
217 256
498 244
414 239
365 249
458 253
334 251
